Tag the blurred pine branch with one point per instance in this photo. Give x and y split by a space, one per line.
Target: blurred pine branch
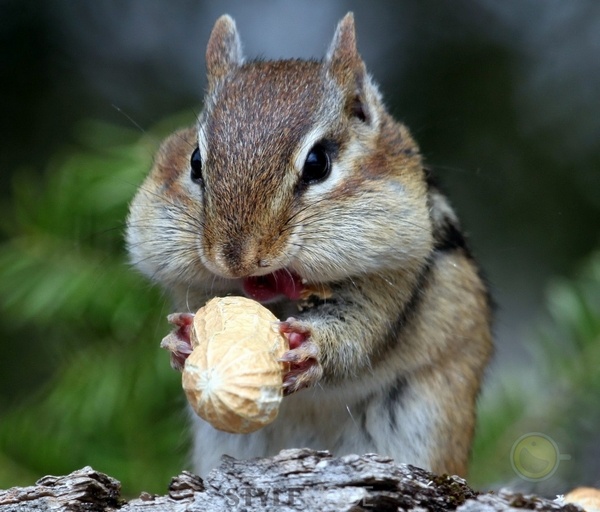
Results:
557 395
68 297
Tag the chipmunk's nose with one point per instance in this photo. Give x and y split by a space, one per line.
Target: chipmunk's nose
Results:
240 257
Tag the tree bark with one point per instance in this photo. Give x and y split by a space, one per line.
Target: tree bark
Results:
293 480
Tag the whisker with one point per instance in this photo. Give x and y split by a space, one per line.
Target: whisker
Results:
129 118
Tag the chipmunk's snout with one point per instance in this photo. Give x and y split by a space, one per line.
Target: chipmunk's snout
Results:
240 257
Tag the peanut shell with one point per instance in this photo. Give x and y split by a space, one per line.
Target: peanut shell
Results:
587 498
233 378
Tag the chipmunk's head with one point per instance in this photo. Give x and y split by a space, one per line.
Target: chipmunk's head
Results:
292 168
278 142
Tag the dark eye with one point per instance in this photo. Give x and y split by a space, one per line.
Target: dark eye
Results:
317 165
196 164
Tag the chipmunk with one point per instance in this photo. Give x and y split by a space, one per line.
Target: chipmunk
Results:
296 176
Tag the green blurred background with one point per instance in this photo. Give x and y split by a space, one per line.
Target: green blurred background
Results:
503 99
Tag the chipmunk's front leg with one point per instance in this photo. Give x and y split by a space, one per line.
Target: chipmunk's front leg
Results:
338 339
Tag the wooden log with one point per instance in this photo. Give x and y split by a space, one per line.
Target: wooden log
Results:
293 480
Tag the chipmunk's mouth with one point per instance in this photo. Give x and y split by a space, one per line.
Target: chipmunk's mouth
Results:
273 286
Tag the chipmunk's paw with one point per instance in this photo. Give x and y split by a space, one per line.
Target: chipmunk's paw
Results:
303 357
178 341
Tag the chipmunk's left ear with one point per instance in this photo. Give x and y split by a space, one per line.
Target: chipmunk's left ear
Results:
224 49
342 57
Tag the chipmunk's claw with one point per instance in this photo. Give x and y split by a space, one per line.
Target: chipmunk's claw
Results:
303 357
178 341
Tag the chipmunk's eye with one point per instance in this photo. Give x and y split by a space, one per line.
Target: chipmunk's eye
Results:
196 164
317 165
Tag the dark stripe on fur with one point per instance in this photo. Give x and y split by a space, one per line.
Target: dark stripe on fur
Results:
391 400
408 311
363 426
447 234
448 237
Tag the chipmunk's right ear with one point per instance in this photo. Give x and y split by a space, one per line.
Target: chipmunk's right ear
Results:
342 58
224 49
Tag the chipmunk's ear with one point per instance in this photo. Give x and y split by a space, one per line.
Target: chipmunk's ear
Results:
345 66
224 49
342 57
